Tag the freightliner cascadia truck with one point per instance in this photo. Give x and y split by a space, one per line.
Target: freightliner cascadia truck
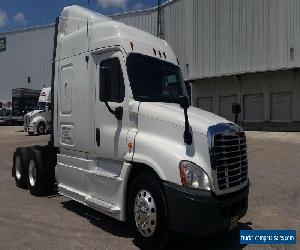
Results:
39 120
125 140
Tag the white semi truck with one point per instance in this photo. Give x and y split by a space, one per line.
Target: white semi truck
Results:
39 120
125 140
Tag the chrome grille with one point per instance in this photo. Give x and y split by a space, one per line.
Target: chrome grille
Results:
228 152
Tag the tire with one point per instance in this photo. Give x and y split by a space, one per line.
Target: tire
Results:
30 133
41 170
146 190
20 167
41 128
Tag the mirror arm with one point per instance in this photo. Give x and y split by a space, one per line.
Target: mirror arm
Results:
118 113
184 103
109 108
188 138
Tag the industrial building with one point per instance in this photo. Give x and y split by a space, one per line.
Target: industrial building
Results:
234 51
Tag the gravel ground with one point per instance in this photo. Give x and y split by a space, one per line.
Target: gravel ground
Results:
55 222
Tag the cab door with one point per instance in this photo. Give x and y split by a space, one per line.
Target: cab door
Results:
110 139
110 128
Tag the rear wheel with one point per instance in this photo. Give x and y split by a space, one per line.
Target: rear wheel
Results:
41 173
147 211
20 167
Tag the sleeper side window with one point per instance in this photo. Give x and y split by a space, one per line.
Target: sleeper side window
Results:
111 81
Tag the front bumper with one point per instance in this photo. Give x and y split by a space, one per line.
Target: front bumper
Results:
200 212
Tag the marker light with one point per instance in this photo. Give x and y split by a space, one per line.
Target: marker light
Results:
154 51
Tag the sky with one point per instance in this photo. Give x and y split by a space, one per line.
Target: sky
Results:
20 14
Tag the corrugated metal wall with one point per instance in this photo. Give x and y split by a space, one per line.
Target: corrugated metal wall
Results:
210 37
223 37
144 20
28 53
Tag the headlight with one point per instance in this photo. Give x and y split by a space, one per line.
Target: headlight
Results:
192 176
32 123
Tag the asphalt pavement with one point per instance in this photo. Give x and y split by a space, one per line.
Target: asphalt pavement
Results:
56 222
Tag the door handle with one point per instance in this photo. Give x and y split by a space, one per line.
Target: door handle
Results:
98 137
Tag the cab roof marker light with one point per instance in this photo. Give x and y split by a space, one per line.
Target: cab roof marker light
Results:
131 45
165 56
159 53
154 51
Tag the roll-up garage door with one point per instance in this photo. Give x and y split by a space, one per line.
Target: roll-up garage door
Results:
281 107
225 106
205 103
253 107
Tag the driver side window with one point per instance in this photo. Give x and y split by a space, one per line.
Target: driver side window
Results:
113 82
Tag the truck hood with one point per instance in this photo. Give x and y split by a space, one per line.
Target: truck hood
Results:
29 114
173 114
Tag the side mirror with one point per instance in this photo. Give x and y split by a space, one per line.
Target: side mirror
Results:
104 84
236 110
189 90
184 102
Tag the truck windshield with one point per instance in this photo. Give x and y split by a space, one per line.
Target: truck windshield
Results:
154 80
41 106
5 112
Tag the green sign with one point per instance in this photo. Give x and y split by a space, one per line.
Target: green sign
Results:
2 44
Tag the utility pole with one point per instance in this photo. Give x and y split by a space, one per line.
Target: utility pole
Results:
159 19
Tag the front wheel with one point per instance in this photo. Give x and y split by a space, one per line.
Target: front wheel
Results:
41 128
147 211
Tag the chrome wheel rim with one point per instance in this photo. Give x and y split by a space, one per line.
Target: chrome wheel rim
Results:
145 213
32 173
18 167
